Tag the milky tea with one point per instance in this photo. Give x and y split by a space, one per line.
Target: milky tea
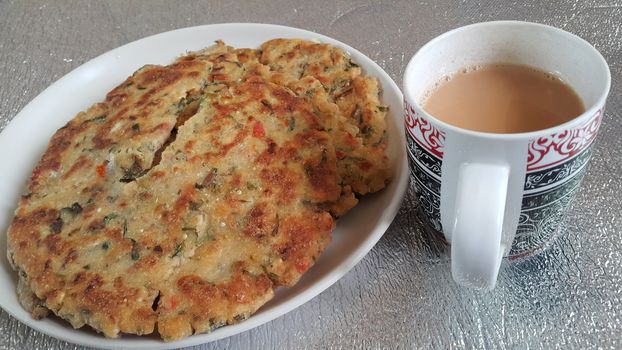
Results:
503 98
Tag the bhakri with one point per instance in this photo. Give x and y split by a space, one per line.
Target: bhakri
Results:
182 200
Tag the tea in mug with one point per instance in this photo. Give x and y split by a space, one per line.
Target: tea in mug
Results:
503 98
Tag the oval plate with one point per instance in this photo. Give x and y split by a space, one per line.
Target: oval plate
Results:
24 140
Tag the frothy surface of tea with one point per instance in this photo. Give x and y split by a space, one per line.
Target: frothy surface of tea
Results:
503 98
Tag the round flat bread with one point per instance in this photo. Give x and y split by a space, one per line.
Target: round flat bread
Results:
180 202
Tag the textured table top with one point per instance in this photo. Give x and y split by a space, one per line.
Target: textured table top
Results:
401 294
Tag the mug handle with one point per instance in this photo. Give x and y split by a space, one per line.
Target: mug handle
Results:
477 225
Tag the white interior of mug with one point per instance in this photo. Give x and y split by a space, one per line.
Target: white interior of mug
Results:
547 48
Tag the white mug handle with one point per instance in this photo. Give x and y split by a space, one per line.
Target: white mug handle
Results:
477 225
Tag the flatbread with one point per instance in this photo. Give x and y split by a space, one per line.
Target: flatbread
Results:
182 200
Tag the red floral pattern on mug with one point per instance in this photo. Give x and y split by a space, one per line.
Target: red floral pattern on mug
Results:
551 150
423 132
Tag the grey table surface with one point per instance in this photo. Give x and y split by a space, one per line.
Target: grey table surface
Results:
401 294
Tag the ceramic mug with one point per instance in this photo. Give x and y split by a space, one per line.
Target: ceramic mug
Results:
493 195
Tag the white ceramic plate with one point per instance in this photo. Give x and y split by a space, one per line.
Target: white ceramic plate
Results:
23 141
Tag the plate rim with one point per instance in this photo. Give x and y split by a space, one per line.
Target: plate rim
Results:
338 271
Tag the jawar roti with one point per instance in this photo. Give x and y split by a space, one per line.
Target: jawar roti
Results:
179 203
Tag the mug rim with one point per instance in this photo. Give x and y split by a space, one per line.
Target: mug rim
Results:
592 110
